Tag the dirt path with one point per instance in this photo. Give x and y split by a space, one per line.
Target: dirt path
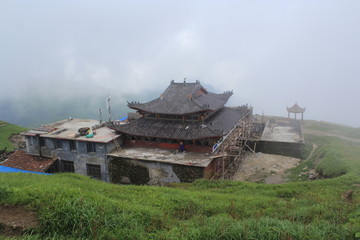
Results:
261 167
314 147
15 219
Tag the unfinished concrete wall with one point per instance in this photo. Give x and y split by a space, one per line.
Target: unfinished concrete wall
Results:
32 145
129 171
80 156
162 145
111 145
211 169
280 148
188 173
48 148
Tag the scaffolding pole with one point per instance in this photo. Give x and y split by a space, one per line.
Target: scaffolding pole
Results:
233 145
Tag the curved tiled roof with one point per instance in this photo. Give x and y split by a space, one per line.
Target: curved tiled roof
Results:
226 118
183 98
295 109
216 126
166 129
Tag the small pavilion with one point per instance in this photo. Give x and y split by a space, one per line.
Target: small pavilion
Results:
296 109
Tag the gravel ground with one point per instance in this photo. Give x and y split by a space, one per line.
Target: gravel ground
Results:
261 167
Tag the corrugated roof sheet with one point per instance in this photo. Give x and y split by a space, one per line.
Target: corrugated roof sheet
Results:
184 98
22 160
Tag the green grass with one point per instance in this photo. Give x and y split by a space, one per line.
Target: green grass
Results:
332 128
6 130
70 206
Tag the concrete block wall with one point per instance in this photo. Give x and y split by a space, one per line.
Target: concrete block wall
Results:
32 145
129 171
280 148
80 157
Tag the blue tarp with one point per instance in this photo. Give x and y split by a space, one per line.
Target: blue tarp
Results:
123 119
4 169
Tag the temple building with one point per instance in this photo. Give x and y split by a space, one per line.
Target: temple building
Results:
176 138
185 134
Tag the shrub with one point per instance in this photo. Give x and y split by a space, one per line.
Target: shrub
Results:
5 192
331 165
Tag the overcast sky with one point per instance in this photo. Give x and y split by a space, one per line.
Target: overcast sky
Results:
270 53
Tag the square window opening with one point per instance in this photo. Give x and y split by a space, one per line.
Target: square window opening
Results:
93 171
73 146
57 144
42 142
90 147
67 166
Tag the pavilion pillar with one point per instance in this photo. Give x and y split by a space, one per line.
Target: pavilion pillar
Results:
296 109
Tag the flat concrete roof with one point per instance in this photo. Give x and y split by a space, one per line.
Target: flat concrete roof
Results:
162 155
68 128
283 130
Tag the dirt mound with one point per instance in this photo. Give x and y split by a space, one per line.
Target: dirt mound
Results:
18 141
14 220
261 167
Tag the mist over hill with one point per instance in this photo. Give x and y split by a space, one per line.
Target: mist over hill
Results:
45 104
66 59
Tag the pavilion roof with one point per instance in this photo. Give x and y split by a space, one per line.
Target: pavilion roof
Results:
183 98
295 109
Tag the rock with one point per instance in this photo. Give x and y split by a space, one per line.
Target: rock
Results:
347 195
313 176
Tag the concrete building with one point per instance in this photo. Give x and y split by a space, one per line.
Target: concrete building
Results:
74 152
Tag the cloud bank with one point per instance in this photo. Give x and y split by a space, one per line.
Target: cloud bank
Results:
272 54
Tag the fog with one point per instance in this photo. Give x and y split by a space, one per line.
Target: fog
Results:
63 58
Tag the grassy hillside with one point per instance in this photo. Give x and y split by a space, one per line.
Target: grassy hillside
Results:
6 130
332 129
69 206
